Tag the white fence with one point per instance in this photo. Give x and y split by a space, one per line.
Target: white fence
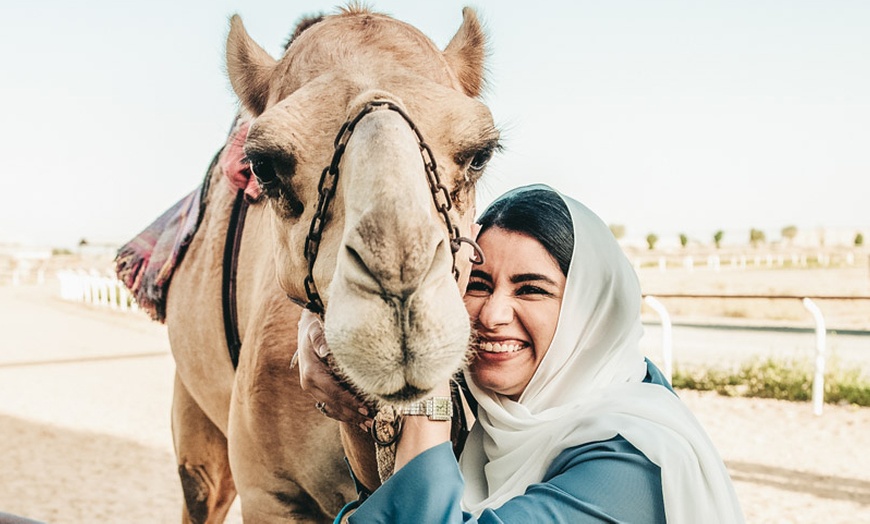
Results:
93 287
820 333
718 262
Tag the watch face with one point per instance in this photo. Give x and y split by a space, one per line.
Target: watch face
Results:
442 409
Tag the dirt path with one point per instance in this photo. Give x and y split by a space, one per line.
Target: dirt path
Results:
790 466
84 418
84 413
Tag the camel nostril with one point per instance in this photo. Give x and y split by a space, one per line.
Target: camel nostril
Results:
394 260
360 272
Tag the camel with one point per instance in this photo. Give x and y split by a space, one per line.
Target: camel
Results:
384 267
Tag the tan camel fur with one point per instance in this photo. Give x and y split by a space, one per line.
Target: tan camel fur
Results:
394 318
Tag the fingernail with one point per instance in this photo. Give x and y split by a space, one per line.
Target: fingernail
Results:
364 411
363 427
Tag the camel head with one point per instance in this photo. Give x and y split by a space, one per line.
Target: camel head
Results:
394 319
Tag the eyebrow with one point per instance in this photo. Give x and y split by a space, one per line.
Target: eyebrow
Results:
483 275
515 279
532 277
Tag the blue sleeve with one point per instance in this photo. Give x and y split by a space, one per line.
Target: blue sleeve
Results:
607 481
426 489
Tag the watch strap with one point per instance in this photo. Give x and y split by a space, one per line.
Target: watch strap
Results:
435 408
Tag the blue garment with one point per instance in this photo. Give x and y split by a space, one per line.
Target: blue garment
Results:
609 481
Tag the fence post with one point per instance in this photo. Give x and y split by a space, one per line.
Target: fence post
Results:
819 377
667 335
689 263
85 286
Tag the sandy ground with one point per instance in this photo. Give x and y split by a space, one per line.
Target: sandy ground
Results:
84 422
84 413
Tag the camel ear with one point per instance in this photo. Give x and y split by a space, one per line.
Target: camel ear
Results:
249 67
466 53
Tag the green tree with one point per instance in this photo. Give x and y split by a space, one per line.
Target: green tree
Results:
717 238
683 239
618 230
756 236
651 240
789 232
859 240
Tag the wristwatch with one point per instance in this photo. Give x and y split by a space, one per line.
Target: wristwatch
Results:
436 408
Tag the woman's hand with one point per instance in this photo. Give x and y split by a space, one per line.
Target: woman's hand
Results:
317 379
419 433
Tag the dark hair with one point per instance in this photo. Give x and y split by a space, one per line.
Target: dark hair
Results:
539 213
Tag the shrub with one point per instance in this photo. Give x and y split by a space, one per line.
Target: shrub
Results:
777 379
618 230
717 238
756 236
789 232
850 387
703 379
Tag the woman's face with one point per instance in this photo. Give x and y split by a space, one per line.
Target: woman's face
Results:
513 300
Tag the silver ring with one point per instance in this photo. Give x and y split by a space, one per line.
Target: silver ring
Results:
321 407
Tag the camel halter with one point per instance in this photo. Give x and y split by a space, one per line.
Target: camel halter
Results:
329 181
388 423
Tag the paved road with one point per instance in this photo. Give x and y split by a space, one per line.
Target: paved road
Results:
729 346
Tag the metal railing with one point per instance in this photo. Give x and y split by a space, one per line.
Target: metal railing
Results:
818 397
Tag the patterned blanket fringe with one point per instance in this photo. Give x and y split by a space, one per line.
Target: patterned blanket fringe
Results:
146 264
129 266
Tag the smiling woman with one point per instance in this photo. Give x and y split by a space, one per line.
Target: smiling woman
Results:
515 296
573 423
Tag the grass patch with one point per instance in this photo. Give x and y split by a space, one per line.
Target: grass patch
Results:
778 379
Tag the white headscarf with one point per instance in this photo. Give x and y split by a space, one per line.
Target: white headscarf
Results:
589 387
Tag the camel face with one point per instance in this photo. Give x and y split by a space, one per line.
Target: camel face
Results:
395 321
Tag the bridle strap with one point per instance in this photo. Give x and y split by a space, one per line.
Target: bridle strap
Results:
329 181
230 270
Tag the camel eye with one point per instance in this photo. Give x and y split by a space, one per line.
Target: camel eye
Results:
264 169
480 159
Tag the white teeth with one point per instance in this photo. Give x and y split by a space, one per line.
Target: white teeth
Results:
496 347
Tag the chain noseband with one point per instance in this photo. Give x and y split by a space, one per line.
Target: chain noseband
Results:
329 181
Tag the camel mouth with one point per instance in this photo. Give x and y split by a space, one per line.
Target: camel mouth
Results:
407 394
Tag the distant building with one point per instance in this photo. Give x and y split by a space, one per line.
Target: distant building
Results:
24 253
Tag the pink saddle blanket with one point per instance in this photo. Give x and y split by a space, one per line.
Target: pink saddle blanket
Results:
146 263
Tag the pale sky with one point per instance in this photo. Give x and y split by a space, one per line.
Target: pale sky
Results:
664 116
